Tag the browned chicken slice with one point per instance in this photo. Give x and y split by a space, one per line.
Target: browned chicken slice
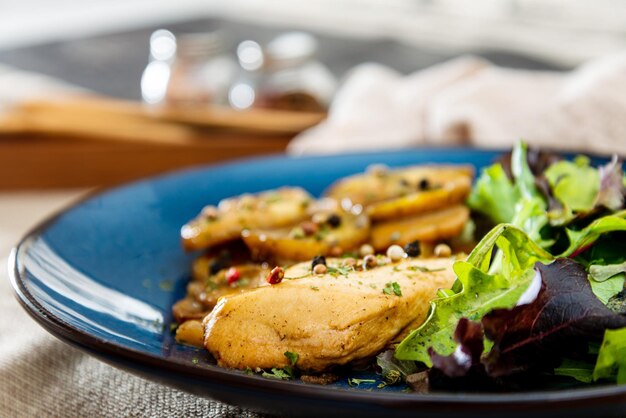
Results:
328 319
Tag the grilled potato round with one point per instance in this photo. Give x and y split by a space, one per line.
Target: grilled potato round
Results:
428 227
224 223
411 190
326 233
449 193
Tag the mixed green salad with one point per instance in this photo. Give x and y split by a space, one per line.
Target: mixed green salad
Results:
540 301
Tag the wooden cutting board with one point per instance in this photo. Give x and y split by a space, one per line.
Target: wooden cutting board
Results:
87 142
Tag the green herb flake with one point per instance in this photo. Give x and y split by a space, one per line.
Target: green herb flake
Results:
174 326
340 270
279 374
315 288
242 283
424 269
392 288
356 382
195 360
297 277
248 371
292 357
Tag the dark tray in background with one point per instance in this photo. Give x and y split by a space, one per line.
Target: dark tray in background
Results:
112 64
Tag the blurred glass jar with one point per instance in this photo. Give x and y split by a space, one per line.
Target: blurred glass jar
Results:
188 70
284 75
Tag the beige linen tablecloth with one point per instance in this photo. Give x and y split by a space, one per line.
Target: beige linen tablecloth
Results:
41 376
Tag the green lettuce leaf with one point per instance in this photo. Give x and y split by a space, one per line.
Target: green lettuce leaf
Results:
530 211
607 281
581 240
611 363
519 202
494 195
574 183
476 291
608 288
579 370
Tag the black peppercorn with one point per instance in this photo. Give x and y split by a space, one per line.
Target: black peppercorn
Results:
318 259
334 220
423 184
412 249
215 266
220 262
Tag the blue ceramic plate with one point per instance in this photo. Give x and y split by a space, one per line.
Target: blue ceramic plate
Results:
103 275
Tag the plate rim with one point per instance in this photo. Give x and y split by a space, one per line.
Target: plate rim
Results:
117 353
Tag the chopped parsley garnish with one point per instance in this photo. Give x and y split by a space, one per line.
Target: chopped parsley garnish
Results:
242 282
292 357
248 371
315 288
339 270
280 374
297 277
174 326
195 360
357 382
424 269
211 285
392 288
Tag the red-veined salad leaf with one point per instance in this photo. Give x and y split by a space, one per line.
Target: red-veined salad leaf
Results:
564 311
611 194
581 240
470 339
554 319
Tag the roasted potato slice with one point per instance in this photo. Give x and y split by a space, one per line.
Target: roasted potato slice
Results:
379 184
453 191
432 226
331 233
190 332
269 209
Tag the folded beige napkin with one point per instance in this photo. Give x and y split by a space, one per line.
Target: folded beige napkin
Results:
470 101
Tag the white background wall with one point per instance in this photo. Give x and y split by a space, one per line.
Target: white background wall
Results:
565 31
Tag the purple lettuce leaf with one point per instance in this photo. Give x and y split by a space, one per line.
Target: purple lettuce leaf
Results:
563 316
611 193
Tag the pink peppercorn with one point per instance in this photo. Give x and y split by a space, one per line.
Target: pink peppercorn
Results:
276 275
232 275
